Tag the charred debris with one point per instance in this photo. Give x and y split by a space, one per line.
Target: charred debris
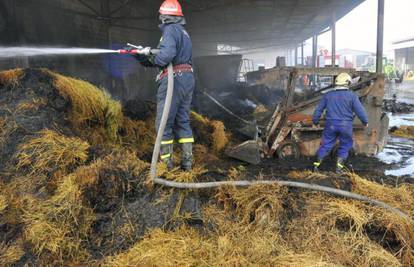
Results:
73 192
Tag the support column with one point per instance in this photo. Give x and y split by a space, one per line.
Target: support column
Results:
302 47
333 31
296 55
380 36
314 50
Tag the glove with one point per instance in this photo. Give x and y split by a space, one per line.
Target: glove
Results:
146 61
145 51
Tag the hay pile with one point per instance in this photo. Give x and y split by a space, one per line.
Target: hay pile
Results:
73 193
71 178
274 226
403 131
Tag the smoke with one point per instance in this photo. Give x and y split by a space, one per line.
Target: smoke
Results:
10 52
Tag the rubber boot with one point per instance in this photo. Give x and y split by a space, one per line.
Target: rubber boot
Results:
166 153
316 165
340 166
187 157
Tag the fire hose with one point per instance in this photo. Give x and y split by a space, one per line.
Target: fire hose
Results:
205 185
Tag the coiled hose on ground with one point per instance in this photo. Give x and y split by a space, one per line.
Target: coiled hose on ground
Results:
155 180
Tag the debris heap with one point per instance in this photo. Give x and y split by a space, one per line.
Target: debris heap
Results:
73 192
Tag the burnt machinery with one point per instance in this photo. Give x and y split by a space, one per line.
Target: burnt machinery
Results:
289 133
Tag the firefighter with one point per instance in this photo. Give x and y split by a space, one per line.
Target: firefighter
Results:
340 105
175 47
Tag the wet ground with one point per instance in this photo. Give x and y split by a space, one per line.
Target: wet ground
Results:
399 152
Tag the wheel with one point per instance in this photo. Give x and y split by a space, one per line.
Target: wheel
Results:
288 150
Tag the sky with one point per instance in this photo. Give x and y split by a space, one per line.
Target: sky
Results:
358 29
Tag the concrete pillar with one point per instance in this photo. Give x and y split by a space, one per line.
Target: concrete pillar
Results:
296 55
302 52
333 31
314 50
380 35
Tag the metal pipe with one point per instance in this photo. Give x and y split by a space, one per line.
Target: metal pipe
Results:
380 36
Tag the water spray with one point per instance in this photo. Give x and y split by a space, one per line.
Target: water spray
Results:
32 51
29 51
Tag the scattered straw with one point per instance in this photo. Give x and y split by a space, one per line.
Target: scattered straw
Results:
90 106
11 77
61 224
404 131
180 176
10 254
260 205
34 104
209 133
3 202
51 151
219 137
139 135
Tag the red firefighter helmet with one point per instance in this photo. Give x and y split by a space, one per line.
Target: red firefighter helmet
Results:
171 7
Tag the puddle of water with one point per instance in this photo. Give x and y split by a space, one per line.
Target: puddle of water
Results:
401 119
407 170
399 151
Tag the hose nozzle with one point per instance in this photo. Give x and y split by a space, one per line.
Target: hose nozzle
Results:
128 52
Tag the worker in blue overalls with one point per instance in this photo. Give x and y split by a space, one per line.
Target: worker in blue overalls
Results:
340 105
175 47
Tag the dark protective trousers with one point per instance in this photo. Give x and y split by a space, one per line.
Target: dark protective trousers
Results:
333 131
178 124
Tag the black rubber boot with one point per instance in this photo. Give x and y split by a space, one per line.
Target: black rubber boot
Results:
166 153
187 156
340 166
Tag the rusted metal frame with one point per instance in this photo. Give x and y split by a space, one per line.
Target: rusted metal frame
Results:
291 88
274 128
283 133
306 71
285 129
305 104
270 129
324 71
281 111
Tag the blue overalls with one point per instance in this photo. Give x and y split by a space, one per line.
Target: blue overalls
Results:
340 105
175 47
